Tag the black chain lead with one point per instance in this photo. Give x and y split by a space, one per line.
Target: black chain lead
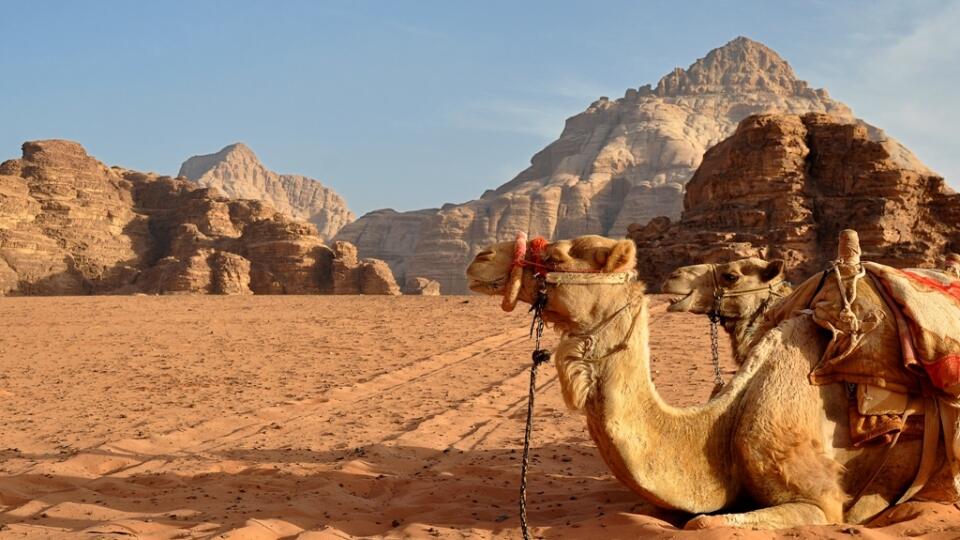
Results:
714 317
538 357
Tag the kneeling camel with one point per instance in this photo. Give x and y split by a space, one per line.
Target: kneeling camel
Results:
770 443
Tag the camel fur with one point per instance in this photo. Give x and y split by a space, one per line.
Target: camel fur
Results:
770 443
740 314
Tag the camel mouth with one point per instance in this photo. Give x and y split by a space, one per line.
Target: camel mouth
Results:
680 303
487 287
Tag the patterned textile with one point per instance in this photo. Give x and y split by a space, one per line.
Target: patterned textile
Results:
930 304
925 306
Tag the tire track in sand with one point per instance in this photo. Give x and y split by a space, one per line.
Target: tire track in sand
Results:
129 456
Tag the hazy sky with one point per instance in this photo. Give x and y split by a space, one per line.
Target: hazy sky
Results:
413 104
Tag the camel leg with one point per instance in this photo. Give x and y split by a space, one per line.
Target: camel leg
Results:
775 517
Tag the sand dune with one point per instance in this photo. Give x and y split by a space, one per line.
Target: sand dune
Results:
317 417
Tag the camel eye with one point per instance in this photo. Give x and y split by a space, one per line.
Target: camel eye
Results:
729 277
485 255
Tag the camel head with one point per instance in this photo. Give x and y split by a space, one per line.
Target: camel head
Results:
695 287
569 306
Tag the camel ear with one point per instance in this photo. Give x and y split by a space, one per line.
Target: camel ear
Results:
773 270
622 257
511 292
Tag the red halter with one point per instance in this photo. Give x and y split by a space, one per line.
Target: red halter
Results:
535 250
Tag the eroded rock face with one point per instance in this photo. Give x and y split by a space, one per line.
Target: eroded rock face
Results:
421 286
236 171
784 186
71 225
351 275
619 162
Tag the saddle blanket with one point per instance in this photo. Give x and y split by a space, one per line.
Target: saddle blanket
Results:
929 302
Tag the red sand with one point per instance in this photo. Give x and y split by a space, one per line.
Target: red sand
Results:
318 417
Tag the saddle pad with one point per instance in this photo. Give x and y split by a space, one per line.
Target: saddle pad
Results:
930 304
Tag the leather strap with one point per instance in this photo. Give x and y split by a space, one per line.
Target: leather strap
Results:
928 456
883 461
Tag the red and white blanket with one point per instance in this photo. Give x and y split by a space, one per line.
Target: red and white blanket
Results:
929 302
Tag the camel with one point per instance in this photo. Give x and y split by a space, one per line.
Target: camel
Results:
769 451
738 292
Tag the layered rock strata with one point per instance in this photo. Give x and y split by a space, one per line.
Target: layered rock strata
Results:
784 186
71 225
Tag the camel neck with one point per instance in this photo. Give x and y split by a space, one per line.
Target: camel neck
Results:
743 330
649 444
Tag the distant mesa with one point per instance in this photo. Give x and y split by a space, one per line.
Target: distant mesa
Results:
619 162
236 171
70 225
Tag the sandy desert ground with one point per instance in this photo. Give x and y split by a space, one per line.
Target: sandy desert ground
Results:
318 417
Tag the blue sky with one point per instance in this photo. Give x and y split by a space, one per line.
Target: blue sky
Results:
414 104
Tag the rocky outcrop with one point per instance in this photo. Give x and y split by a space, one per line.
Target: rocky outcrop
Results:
71 225
421 286
619 162
785 185
236 171
390 236
354 276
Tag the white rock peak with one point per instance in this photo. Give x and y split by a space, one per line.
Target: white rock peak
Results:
236 171
619 162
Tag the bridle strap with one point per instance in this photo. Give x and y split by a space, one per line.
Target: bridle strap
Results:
590 278
589 337
530 255
720 292
723 292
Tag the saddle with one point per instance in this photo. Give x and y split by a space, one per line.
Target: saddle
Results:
872 310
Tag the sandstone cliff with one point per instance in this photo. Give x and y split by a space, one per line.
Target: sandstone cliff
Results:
619 162
236 171
786 185
71 225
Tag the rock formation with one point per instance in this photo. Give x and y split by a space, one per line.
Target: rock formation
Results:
236 171
619 162
784 186
71 225
421 286
352 275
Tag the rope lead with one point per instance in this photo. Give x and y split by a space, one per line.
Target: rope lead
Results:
539 356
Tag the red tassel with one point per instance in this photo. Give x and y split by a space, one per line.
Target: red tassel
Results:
520 249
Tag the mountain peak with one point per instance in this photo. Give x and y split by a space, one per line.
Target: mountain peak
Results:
741 65
237 172
197 166
238 148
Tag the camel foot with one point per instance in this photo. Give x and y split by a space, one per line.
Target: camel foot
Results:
705 522
774 517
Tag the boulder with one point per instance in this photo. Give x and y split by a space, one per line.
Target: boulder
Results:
421 286
354 276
